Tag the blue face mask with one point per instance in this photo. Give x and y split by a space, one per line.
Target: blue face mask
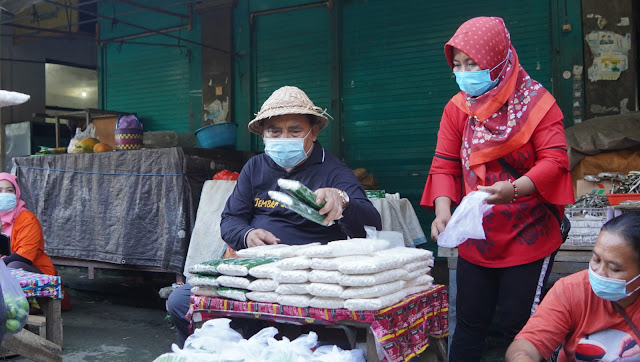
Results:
286 152
478 82
7 201
609 288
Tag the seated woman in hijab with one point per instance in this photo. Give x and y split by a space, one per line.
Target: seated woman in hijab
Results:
23 229
593 314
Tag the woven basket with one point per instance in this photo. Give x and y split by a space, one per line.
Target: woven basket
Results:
128 138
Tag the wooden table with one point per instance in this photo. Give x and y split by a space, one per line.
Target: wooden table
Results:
46 290
403 330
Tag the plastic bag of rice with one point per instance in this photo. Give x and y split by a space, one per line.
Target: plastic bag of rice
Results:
231 293
422 279
363 264
420 264
301 301
293 250
265 270
326 303
375 303
373 291
317 251
239 267
299 288
325 290
328 263
294 263
418 288
291 276
206 268
405 254
325 276
363 280
260 251
234 282
263 285
205 291
203 281
357 246
416 273
265 297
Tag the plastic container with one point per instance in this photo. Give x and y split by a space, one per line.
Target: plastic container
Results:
219 135
585 224
616 199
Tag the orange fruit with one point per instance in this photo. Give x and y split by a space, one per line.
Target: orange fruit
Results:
87 144
102 147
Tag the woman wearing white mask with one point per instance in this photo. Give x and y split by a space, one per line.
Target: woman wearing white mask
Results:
24 231
593 314
503 134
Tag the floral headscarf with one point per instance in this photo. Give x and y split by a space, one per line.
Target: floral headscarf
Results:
9 217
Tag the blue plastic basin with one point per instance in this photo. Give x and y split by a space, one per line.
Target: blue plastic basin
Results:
220 135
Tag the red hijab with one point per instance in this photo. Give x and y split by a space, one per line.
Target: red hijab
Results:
9 217
503 119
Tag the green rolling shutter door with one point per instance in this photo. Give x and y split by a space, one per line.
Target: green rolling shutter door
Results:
292 48
152 81
396 80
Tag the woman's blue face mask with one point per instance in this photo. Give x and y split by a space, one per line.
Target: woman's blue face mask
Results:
8 201
478 82
609 288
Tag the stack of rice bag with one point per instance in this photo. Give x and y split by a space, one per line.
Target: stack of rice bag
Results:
357 274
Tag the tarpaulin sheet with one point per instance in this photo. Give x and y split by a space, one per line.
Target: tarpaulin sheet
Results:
124 207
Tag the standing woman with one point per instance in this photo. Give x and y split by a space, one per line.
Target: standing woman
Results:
503 134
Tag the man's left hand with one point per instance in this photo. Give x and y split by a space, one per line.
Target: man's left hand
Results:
333 208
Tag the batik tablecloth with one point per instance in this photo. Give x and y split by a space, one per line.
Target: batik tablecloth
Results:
402 330
37 285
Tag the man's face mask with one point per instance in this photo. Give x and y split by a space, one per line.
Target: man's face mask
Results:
286 152
478 82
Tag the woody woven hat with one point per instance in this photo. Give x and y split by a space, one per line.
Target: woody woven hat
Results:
288 100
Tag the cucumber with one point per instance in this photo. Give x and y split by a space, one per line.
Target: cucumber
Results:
301 192
298 207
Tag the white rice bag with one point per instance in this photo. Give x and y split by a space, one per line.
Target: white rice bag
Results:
203 281
263 285
293 250
8 98
357 246
326 303
420 264
295 263
291 276
328 263
301 301
264 271
260 251
235 294
416 273
239 267
325 289
205 291
422 279
317 251
265 297
299 288
233 282
325 276
375 303
363 264
417 288
364 280
406 254
373 291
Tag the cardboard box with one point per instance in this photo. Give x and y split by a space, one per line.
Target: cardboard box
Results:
586 187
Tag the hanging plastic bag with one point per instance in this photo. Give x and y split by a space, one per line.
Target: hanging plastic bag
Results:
466 221
89 132
14 308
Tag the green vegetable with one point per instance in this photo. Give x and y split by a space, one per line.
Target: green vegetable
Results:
298 207
301 192
12 325
12 311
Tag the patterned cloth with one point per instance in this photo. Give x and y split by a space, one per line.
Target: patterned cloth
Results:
402 330
38 285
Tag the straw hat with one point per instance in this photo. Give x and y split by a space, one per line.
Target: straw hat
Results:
288 100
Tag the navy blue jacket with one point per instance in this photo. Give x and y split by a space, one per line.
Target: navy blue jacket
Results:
249 206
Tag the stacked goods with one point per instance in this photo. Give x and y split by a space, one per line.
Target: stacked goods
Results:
231 278
357 274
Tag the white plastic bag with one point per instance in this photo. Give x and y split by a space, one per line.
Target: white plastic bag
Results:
88 132
335 354
466 221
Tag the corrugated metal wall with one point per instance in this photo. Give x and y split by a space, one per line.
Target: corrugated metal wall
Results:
155 76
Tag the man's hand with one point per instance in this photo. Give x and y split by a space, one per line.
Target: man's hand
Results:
259 237
333 207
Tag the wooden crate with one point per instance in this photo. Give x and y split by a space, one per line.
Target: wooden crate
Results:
36 324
